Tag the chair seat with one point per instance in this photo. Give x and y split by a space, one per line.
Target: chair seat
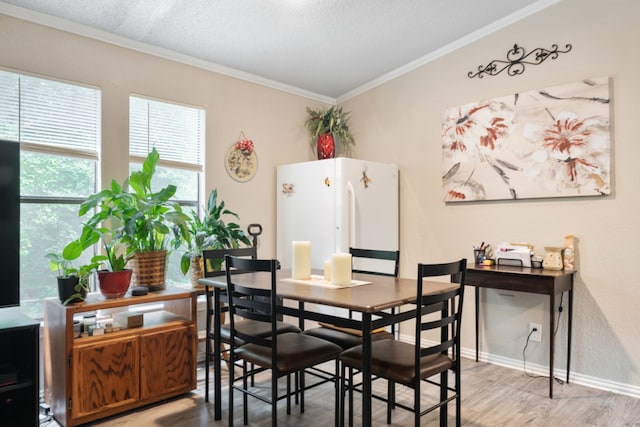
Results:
295 352
254 327
394 360
344 339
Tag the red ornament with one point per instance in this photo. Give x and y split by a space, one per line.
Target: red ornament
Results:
326 146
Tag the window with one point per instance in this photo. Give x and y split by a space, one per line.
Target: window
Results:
177 132
58 127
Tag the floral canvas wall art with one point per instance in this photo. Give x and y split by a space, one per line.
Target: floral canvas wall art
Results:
553 142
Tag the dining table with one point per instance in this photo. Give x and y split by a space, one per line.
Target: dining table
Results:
369 297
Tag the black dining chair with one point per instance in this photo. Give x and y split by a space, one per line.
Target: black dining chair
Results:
371 261
214 266
282 353
412 364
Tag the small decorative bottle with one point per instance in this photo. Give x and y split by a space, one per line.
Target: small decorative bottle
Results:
569 254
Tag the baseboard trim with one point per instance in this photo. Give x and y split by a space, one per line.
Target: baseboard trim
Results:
536 369
575 377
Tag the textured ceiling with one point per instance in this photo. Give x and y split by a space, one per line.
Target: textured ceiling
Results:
328 48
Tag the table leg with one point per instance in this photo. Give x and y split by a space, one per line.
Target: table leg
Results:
366 369
207 346
552 304
217 370
477 292
569 330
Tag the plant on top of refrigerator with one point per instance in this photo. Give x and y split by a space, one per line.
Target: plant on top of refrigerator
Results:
329 131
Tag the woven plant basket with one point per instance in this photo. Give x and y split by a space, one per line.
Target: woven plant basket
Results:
149 269
196 271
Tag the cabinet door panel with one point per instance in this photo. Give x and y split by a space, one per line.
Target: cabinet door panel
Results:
167 362
105 375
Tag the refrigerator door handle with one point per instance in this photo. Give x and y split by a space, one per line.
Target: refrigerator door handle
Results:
352 213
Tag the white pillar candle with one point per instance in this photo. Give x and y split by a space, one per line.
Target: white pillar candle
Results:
301 260
327 270
341 269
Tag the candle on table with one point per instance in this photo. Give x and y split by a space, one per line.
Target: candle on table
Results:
327 270
301 260
341 269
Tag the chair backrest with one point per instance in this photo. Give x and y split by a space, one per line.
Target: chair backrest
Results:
213 259
448 305
374 261
246 302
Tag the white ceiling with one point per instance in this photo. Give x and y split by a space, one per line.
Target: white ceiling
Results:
324 49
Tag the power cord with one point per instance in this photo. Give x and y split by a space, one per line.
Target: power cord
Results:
524 357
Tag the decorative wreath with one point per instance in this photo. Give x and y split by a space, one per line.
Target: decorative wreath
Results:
241 161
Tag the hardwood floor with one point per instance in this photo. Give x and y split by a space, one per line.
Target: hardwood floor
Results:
492 396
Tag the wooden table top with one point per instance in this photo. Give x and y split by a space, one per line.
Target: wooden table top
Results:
382 293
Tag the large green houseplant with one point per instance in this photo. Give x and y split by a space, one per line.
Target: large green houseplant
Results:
134 223
329 131
208 232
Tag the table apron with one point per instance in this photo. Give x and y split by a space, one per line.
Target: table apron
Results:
520 283
379 319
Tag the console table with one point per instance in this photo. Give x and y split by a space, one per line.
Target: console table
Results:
530 280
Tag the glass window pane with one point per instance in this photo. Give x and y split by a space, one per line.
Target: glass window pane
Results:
185 181
47 117
176 131
174 274
44 228
59 114
61 176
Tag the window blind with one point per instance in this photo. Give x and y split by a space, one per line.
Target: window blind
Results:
176 131
49 115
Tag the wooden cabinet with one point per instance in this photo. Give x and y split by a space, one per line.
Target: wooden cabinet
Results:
93 377
19 371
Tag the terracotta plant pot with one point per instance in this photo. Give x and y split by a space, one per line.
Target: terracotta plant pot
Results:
114 284
196 271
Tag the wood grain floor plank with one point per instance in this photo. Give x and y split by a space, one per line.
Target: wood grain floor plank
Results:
492 396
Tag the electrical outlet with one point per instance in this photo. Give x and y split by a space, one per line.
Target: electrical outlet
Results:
536 336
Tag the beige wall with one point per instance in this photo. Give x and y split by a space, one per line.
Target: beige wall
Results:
400 122
274 120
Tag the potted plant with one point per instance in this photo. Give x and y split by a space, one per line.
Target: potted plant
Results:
114 278
135 223
147 231
209 232
73 283
329 130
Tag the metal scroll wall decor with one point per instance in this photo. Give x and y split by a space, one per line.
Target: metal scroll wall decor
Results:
517 59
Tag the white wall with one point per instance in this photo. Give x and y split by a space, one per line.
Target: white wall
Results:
400 121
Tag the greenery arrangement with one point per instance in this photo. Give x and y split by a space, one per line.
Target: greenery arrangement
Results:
130 221
130 218
329 127
209 232
62 263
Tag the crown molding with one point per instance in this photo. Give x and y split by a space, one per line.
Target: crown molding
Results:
103 36
451 47
93 33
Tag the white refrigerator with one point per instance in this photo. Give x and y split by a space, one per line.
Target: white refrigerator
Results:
336 204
